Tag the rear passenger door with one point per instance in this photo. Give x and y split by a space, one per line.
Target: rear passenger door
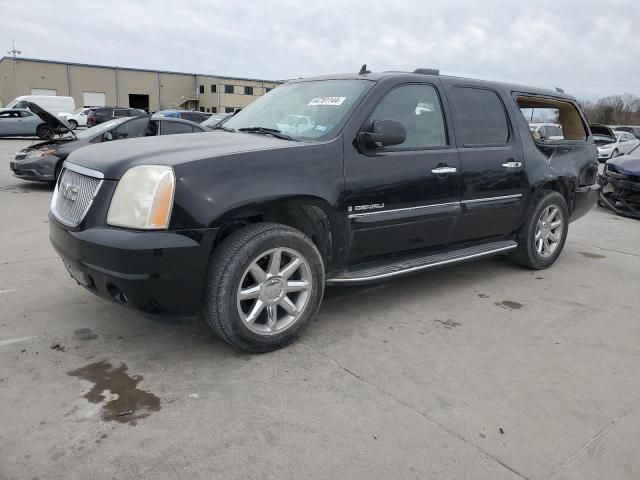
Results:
493 179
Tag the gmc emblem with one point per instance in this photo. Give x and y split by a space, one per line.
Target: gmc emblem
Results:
69 192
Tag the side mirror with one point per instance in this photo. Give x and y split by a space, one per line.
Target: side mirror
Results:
108 136
384 132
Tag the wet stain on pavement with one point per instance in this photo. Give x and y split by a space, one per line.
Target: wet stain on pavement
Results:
85 334
510 304
448 324
483 295
591 255
123 401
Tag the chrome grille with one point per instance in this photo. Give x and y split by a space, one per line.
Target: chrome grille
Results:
74 193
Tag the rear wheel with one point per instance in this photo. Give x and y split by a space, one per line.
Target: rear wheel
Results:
44 131
542 237
265 283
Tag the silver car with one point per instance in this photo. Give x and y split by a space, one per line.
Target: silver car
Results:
17 122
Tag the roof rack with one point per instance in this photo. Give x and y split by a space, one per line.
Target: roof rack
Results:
559 90
427 71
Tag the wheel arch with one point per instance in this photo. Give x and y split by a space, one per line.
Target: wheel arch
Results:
313 216
564 186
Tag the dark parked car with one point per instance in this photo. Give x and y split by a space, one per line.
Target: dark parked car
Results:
197 117
43 161
621 184
99 115
635 131
392 173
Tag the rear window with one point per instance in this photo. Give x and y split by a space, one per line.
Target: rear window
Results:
568 124
480 117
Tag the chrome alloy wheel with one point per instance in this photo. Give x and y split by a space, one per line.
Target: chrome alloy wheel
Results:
549 231
274 291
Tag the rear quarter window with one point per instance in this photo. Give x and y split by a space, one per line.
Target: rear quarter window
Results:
565 116
480 117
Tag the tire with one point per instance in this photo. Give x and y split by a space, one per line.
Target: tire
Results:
73 124
44 132
536 229
232 270
614 154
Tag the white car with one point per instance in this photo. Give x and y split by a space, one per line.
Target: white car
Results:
77 118
625 142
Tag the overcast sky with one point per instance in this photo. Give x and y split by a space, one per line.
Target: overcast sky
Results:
590 48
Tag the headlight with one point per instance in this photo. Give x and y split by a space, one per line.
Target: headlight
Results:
40 153
143 198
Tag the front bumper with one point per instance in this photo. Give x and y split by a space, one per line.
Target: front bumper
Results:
604 155
39 169
585 199
156 272
620 193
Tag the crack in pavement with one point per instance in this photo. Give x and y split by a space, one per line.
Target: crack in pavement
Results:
416 412
28 260
598 435
604 249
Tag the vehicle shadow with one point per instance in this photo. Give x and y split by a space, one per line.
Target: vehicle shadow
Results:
342 305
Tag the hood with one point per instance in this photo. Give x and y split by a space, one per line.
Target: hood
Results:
59 125
599 129
114 158
625 165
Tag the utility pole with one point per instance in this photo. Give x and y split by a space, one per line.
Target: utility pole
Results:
13 52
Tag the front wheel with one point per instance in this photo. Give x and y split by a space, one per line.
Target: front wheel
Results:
44 132
73 124
265 283
542 237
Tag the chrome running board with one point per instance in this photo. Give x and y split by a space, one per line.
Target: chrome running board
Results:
379 270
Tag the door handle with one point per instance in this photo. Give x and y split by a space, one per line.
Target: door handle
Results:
443 170
512 164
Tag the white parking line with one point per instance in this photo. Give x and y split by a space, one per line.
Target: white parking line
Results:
9 341
9 290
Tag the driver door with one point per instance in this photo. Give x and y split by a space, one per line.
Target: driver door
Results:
404 197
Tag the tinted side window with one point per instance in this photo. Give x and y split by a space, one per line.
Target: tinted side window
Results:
131 129
417 107
480 117
172 128
24 113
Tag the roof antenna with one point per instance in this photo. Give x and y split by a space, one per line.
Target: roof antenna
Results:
363 70
13 52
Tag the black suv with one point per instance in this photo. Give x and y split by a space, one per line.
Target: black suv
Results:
334 180
100 115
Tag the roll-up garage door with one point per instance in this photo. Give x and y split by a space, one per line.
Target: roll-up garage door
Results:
94 99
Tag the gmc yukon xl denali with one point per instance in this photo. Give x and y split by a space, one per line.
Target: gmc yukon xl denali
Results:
335 180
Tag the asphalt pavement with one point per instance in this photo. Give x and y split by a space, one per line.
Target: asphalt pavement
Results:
480 371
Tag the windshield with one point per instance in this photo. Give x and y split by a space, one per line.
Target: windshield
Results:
303 110
103 127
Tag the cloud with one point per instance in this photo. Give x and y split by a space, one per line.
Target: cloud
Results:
584 46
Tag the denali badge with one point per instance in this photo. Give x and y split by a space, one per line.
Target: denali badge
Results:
372 206
69 192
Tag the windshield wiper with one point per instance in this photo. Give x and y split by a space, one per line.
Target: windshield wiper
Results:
267 131
222 127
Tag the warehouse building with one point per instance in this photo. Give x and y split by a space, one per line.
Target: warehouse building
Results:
152 90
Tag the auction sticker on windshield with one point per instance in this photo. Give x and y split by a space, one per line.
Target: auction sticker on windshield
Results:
327 101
